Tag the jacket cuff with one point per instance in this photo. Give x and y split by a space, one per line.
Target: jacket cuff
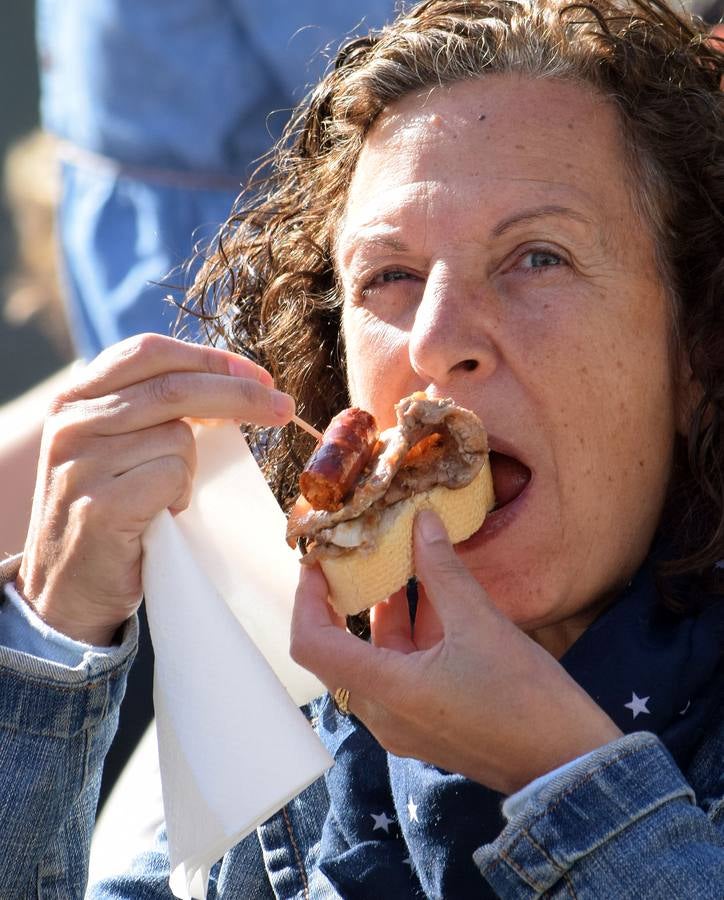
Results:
39 697
577 811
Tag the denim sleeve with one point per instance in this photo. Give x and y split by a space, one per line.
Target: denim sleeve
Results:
56 723
515 803
622 822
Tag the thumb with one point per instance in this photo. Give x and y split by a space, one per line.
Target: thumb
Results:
449 586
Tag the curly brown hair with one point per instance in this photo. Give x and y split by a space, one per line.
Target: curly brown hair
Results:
268 288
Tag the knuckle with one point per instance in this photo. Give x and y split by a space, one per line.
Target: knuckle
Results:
303 649
298 647
85 513
61 436
125 351
64 482
59 402
214 362
182 437
164 389
253 394
179 475
140 345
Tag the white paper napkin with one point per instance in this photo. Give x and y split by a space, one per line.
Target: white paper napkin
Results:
233 747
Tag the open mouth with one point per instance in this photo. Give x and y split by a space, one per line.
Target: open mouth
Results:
510 478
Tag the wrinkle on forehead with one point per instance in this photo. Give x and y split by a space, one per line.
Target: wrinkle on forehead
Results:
491 105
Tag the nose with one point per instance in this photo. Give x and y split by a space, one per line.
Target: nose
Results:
451 334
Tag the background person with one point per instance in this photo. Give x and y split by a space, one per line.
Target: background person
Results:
163 111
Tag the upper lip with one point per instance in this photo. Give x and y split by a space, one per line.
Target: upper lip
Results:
506 448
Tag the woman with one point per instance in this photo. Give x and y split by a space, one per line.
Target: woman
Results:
492 202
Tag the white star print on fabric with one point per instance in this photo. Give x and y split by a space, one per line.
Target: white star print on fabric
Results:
382 822
638 704
412 810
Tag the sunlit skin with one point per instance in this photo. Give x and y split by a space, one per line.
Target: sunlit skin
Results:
490 252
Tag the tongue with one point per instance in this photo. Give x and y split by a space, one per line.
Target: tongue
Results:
509 478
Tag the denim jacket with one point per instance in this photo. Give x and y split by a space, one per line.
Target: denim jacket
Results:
625 821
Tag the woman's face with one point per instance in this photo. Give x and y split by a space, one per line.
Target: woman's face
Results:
490 252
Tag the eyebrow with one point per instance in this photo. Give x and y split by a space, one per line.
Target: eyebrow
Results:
387 243
375 241
532 215
394 244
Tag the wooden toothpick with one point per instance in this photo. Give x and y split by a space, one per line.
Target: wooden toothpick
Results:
305 426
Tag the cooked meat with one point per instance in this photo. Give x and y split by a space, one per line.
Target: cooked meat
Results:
408 460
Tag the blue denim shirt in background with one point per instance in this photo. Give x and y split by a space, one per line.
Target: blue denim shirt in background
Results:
163 106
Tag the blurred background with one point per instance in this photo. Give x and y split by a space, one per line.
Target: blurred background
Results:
33 342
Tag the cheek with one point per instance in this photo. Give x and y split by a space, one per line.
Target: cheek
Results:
377 360
618 444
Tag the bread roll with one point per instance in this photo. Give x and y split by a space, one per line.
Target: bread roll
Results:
360 578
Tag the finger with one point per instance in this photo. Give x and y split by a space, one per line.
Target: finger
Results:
319 644
177 395
428 630
117 454
312 616
390 623
141 493
145 356
449 586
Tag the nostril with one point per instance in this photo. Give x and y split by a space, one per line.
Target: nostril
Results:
469 365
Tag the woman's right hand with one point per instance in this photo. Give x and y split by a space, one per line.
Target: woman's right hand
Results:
115 451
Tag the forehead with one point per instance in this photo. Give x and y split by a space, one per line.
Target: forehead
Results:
492 144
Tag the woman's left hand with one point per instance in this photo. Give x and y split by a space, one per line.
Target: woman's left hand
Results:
465 690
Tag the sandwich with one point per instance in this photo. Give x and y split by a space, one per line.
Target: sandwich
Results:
361 489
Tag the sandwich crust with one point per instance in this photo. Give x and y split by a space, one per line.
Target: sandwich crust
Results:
361 577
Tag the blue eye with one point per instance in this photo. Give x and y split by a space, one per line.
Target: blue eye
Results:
542 259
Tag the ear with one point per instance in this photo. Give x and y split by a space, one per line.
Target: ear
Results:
688 394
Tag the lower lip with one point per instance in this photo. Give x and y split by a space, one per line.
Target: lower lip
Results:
497 521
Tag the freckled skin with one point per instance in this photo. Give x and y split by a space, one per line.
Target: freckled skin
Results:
571 350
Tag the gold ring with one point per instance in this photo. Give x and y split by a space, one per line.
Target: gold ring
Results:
341 700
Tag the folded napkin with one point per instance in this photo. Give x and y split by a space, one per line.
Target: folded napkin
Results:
219 582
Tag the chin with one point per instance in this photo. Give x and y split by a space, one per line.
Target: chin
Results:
522 597
521 574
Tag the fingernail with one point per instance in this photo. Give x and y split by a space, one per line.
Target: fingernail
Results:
430 527
282 404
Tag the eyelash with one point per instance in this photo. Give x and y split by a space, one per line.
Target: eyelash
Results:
374 283
385 277
542 251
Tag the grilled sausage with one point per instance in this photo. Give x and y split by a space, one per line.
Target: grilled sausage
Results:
334 467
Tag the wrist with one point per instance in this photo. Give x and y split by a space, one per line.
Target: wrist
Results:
70 617
97 635
590 736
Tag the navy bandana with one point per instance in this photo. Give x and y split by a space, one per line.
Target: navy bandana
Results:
402 828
